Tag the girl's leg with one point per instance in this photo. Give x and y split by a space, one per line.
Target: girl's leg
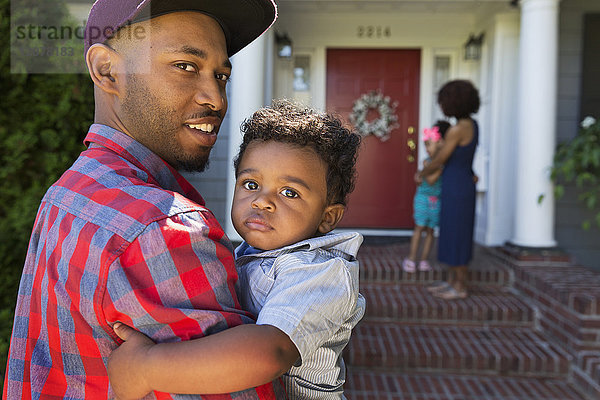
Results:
414 243
424 263
427 243
409 263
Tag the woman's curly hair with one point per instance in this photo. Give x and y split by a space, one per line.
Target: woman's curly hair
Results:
459 99
288 122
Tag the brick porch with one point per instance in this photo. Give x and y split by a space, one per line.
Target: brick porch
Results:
529 330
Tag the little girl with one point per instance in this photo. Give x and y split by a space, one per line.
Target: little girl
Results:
426 203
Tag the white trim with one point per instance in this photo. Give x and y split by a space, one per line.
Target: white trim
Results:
378 232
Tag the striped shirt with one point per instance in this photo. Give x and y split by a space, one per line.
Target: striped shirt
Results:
309 290
121 236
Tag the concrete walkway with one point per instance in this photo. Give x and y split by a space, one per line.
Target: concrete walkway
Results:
529 330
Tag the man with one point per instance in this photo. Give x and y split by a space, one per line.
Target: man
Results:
122 236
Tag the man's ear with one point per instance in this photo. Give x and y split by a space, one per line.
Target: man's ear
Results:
101 61
331 217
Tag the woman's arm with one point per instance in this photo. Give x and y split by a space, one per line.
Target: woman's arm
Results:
232 360
434 176
451 140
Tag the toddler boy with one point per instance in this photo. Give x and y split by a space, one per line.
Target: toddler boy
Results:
294 171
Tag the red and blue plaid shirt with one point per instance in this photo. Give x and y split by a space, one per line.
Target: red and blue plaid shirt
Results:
121 236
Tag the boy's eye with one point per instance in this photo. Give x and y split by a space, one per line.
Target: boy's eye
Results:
250 185
292 194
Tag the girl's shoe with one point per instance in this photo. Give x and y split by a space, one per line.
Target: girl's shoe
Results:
408 265
424 265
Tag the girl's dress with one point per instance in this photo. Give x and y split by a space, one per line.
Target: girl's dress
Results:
457 216
426 204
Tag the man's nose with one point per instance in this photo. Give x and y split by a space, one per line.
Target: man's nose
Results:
211 94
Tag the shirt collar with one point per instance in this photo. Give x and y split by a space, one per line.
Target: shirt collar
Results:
343 244
159 172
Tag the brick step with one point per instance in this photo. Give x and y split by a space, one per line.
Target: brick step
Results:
377 385
586 376
384 264
488 305
514 351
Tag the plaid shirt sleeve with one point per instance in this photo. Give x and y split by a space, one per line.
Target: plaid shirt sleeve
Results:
176 281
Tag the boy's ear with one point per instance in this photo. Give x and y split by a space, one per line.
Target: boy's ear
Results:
331 217
101 61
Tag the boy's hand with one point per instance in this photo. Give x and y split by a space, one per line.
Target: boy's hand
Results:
125 364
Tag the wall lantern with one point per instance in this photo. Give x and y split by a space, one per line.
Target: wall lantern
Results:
473 47
284 45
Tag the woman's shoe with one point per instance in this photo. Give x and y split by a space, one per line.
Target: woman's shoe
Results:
451 294
424 265
438 286
408 265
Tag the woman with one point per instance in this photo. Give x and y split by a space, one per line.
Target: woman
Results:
458 99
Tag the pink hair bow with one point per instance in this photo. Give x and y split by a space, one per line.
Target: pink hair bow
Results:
432 134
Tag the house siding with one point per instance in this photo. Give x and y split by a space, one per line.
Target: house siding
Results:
212 183
583 245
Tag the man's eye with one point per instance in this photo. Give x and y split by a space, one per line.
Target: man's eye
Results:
223 77
186 67
292 194
250 185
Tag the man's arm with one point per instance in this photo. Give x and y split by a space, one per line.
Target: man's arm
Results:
235 359
176 281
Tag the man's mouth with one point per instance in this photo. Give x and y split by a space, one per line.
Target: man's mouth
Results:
207 128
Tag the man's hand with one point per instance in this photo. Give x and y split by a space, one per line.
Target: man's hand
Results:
124 373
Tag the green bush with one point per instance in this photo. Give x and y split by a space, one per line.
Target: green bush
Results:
577 162
43 120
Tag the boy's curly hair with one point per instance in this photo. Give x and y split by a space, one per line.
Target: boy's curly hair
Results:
288 122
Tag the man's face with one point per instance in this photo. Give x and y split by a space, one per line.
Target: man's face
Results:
175 97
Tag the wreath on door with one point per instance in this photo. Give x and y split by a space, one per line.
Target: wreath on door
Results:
382 126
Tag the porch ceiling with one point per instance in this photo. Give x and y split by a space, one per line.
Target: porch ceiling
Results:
409 6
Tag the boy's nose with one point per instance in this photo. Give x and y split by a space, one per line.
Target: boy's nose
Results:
262 202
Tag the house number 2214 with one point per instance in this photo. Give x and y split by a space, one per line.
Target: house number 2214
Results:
372 31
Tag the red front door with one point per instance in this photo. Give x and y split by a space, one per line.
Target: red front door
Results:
385 186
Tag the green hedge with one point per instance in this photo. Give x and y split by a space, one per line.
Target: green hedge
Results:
43 119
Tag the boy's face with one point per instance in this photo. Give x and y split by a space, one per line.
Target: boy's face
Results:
280 195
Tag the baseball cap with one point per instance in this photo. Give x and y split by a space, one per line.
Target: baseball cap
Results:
242 20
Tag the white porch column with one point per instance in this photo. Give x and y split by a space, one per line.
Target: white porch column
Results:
246 96
538 59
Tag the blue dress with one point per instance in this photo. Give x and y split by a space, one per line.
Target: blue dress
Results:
426 203
457 216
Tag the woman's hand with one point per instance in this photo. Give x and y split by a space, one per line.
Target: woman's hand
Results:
125 363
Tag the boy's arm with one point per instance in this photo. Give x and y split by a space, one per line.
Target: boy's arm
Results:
235 359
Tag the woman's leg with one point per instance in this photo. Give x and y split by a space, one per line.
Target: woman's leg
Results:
460 282
457 279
